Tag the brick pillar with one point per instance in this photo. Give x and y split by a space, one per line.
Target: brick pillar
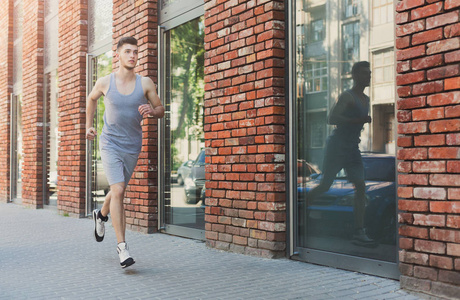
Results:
73 41
6 88
139 19
428 55
32 108
245 126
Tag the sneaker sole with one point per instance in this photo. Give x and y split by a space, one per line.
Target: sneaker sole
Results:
98 238
129 262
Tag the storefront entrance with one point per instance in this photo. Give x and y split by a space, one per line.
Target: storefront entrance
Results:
182 155
350 220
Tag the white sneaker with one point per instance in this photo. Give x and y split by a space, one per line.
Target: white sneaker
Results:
99 228
125 259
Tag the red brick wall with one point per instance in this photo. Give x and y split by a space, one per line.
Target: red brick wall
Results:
245 126
73 40
6 88
32 105
428 56
139 19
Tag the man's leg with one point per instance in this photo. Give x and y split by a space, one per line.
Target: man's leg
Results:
359 203
360 236
100 217
117 210
323 186
332 164
105 210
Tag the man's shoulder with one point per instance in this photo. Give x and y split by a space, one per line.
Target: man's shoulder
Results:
346 96
147 82
105 80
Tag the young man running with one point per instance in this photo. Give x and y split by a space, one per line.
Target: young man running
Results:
128 97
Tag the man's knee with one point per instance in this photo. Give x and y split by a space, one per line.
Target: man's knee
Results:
117 189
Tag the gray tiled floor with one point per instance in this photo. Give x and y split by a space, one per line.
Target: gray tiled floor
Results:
47 256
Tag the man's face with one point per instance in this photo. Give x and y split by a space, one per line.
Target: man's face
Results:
363 76
128 55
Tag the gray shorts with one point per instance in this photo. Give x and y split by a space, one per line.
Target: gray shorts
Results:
118 166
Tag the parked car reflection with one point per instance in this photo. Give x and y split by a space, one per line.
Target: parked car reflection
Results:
334 208
194 183
305 170
183 171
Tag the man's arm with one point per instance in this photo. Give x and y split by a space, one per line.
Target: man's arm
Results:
154 108
91 105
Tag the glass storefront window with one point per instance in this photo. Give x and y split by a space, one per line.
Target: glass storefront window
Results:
382 12
350 45
18 18
100 15
345 195
350 8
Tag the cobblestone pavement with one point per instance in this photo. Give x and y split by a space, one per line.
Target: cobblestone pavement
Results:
47 256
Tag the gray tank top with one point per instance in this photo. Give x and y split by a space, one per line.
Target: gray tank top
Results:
350 134
122 129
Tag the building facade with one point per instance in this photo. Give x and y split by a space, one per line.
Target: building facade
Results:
248 87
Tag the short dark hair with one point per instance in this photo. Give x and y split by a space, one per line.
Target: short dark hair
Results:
126 40
359 65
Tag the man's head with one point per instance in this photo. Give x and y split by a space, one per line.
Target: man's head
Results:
361 73
126 40
127 52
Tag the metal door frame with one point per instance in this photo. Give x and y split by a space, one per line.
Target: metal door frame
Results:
163 28
89 144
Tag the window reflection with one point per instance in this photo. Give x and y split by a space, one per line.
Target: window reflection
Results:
345 145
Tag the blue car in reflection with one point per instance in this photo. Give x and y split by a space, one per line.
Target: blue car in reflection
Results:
336 205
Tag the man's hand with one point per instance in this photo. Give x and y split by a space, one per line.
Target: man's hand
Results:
91 133
146 110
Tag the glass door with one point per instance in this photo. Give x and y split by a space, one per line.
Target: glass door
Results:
343 181
182 135
16 150
97 185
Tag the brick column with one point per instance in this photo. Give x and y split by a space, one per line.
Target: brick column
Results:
73 41
428 55
139 19
6 88
245 126
32 105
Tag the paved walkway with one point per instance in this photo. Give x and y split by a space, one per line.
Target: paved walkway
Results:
47 256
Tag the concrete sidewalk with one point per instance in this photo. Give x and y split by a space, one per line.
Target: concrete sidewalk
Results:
47 256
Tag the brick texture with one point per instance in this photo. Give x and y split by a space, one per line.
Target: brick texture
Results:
429 125
245 126
32 105
139 19
73 40
6 88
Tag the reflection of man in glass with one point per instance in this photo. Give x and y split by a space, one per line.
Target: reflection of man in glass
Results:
349 114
